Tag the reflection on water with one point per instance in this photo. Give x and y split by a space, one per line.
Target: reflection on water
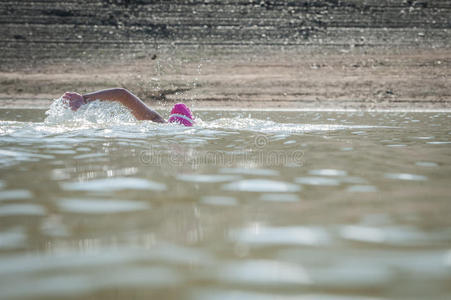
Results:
96 206
405 176
245 205
114 184
261 185
287 235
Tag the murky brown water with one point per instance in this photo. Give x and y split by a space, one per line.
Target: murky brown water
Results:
246 205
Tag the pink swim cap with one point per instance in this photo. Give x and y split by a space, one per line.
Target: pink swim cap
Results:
181 114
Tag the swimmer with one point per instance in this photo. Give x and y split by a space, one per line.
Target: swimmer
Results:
180 113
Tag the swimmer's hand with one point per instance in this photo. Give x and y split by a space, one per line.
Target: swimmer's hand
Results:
73 100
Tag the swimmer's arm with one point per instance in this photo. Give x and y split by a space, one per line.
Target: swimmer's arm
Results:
140 110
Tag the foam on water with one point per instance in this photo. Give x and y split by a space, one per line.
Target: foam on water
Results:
268 126
111 119
95 112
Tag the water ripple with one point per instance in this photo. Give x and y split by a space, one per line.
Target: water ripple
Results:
317 181
250 171
22 210
396 236
405 176
261 185
15 194
288 235
426 164
250 295
114 184
219 200
263 273
328 172
100 206
362 188
279 197
13 238
206 177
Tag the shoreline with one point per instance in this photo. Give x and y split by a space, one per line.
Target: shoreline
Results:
372 79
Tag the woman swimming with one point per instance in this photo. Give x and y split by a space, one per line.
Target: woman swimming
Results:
180 113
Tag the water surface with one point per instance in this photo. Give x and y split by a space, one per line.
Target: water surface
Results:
245 205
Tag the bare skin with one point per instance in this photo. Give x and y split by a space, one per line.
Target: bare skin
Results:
136 106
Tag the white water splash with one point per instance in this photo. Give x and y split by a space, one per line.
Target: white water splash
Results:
267 126
107 118
95 112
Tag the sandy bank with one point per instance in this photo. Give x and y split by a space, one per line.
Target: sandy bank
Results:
293 78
